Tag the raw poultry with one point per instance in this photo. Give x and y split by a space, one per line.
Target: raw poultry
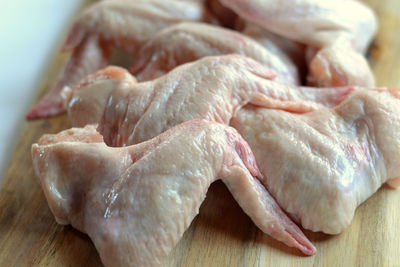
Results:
136 202
189 41
317 145
130 112
317 23
335 37
321 151
333 52
321 165
112 23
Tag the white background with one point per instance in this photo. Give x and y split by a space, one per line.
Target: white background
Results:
29 32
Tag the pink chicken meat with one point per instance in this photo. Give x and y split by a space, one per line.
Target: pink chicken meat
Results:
317 23
135 202
112 23
189 41
213 88
321 165
326 131
320 24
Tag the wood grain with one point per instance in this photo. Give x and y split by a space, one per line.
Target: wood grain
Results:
221 235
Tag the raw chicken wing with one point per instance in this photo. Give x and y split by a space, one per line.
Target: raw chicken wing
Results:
136 202
189 41
317 23
321 165
212 88
120 23
320 24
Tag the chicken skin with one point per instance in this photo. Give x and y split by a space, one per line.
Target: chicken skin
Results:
136 202
320 24
112 23
321 165
189 41
213 88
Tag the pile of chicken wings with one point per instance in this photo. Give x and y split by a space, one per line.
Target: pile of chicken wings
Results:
275 98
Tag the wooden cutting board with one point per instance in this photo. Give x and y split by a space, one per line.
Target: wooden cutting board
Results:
222 235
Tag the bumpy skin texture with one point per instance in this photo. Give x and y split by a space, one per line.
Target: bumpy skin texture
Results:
321 165
320 24
120 23
189 41
135 202
213 88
